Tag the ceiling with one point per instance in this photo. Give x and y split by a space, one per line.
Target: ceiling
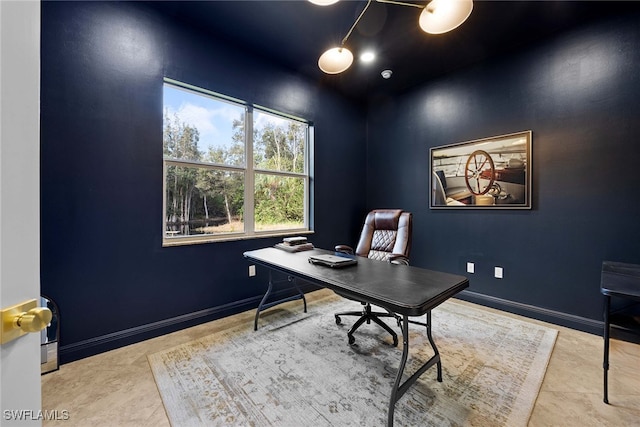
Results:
294 33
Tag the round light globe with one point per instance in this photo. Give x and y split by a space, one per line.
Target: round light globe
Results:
368 56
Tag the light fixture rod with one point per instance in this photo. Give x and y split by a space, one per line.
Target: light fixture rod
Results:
401 3
344 40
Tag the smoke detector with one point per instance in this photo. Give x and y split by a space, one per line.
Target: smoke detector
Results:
386 74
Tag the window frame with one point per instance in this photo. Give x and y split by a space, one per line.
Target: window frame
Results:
248 168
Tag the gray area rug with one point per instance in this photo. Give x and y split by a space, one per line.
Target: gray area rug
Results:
299 370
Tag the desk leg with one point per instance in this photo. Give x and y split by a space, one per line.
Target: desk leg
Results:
433 345
400 389
262 302
605 364
395 392
264 305
300 293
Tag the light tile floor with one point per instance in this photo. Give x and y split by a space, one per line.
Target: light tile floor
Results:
117 388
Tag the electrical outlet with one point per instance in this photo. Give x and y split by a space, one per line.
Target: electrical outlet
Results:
471 268
252 270
498 272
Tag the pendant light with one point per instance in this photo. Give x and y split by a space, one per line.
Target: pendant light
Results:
441 16
437 17
338 59
335 60
323 2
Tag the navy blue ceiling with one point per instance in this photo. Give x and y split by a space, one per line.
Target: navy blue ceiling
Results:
295 33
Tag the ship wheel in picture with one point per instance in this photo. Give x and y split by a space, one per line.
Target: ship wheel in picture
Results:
479 172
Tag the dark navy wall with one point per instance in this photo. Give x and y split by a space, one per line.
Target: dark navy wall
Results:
580 96
101 170
102 259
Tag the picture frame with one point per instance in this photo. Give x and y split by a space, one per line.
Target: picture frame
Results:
487 173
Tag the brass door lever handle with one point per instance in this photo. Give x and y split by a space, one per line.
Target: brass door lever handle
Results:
23 318
33 320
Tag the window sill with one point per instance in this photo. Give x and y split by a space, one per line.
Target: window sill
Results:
196 240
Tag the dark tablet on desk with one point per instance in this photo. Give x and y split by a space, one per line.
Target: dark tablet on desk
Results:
332 260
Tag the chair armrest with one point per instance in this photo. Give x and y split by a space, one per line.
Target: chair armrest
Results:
344 249
398 259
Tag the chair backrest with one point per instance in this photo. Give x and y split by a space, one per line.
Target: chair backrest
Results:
385 232
438 195
442 178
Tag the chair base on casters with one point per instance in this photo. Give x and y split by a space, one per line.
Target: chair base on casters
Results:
366 315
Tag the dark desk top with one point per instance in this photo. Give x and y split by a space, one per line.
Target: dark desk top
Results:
620 279
402 289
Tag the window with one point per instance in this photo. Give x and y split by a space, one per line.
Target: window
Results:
231 170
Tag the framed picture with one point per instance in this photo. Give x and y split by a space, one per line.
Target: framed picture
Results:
488 173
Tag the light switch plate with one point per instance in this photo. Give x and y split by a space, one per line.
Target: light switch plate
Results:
498 272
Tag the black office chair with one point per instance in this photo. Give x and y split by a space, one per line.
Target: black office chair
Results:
386 236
